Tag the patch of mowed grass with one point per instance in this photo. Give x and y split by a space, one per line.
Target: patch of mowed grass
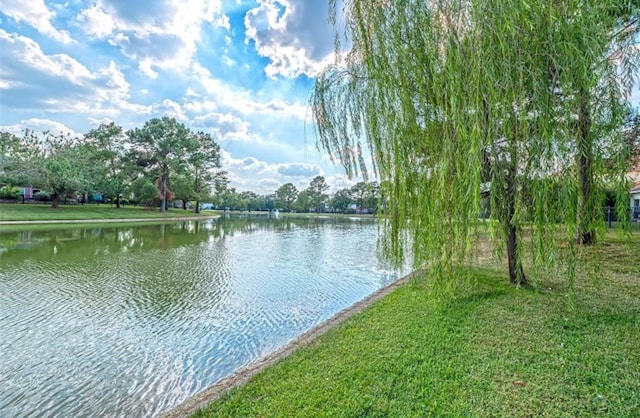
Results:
498 351
41 212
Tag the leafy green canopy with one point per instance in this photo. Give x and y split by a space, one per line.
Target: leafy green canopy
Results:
463 100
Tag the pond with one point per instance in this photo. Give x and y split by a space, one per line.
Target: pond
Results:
131 321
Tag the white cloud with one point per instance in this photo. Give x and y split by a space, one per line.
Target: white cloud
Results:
172 109
224 125
39 126
250 173
223 22
293 34
148 49
157 34
37 15
298 170
96 22
242 100
59 83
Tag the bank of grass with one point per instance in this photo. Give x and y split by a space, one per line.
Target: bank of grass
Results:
497 351
41 212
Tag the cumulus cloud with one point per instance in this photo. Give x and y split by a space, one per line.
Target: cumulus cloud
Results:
96 22
298 170
157 34
37 15
224 125
244 101
218 88
293 34
251 173
172 109
58 82
39 126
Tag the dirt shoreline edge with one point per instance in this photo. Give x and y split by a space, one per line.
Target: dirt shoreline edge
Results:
242 375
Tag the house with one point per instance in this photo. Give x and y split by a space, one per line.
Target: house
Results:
635 202
28 192
634 177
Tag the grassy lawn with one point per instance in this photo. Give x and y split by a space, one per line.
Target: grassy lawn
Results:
37 212
497 351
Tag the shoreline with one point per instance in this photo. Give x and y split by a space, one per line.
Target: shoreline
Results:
115 220
245 373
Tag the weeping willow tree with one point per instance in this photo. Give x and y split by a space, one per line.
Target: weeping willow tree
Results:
460 100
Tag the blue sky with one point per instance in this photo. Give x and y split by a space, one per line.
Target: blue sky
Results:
239 69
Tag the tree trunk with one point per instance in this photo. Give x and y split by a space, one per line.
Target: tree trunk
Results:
117 200
197 190
587 209
163 192
55 201
184 204
516 272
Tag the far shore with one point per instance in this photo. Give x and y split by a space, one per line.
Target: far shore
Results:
42 214
116 220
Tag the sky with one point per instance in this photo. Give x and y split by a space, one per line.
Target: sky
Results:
241 70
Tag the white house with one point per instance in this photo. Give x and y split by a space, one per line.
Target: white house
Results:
633 175
635 202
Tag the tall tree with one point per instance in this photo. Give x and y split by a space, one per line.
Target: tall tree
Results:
341 200
286 195
611 60
160 147
53 163
304 201
12 160
109 144
454 98
229 199
252 201
364 194
183 189
203 163
317 190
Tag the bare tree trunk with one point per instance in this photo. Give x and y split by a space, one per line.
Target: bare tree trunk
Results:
55 201
516 272
163 192
586 203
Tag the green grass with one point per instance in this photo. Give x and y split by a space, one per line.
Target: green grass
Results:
497 351
38 212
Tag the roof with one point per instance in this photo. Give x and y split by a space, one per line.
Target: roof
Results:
636 187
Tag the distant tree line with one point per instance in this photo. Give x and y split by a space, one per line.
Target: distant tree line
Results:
361 198
153 165
159 163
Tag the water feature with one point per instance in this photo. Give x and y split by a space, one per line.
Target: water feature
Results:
130 321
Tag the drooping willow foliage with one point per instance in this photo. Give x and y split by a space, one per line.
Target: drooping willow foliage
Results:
513 103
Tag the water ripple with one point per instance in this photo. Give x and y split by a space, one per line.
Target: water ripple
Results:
132 321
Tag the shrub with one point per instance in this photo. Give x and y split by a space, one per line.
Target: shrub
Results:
42 196
9 192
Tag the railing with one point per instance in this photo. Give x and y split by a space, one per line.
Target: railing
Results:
611 216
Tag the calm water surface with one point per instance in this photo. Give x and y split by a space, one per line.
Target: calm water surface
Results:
131 321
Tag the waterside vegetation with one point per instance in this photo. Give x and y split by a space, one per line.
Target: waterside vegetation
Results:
493 351
42 212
